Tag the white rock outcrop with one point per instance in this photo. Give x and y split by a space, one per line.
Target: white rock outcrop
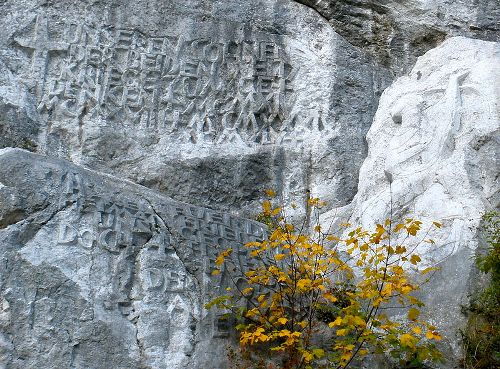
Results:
433 155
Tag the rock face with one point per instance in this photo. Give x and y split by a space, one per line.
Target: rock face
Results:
98 272
433 155
396 32
19 125
208 101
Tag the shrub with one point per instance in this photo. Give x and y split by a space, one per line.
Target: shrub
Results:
320 301
481 338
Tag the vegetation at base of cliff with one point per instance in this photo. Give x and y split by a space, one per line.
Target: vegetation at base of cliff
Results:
481 338
301 306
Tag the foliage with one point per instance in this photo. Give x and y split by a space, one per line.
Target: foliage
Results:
302 304
482 336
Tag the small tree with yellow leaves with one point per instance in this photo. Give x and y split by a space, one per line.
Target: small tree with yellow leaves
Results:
321 301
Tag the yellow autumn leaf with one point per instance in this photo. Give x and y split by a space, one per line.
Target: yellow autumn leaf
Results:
437 225
333 238
266 207
273 269
252 312
336 322
247 291
304 284
400 249
346 356
406 289
408 340
270 192
330 297
358 321
387 290
319 353
279 256
282 277
313 201
413 314
307 356
254 253
284 333
413 228
342 332
275 211
414 259
417 330
215 272
282 320
399 227
427 270
433 335
219 260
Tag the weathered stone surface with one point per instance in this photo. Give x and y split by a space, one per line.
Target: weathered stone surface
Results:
433 155
396 32
196 98
98 272
208 102
18 115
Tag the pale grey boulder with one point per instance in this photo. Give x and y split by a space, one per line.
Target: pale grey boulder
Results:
99 272
433 155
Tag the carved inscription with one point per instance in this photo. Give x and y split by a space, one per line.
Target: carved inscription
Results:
120 226
193 89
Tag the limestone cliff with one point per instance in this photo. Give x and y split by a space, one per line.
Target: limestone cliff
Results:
137 108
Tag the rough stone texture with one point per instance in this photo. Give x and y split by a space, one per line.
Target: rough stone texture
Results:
396 32
208 101
433 154
97 272
19 124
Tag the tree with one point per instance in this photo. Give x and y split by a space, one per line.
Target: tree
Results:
320 301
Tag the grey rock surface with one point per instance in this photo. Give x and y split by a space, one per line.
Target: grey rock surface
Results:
208 101
396 32
19 120
97 272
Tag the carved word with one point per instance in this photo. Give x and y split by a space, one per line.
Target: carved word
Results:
163 280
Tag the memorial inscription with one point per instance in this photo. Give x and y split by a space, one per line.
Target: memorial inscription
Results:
116 223
199 89
151 251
